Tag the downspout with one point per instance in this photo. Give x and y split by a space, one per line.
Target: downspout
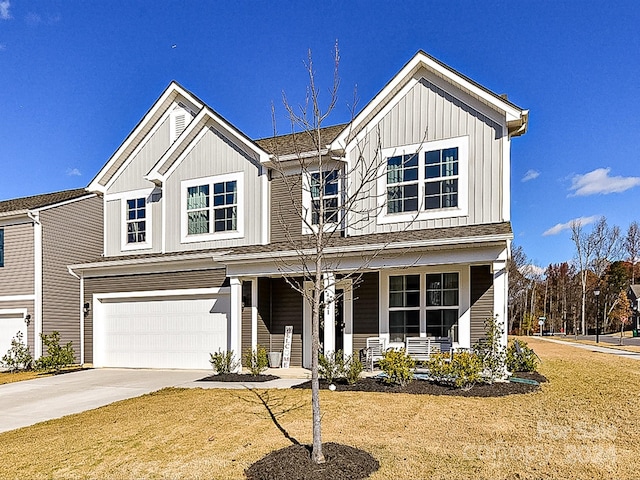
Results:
37 283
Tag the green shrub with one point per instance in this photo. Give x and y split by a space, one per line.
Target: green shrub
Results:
331 366
462 370
398 366
352 369
18 357
491 351
256 360
57 357
223 362
525 361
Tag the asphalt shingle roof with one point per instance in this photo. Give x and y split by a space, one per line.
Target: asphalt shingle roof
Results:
39 201
299 142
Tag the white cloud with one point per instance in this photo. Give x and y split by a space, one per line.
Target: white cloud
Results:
73 172
531 270
556 229
4 10
2 47
530 175
599 182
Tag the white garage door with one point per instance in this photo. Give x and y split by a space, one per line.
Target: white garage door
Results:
163 333
10 325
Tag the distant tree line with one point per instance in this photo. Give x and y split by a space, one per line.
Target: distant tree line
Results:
605 260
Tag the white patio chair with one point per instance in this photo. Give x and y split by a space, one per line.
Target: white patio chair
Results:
376 347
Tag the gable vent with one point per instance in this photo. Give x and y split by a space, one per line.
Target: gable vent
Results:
181 122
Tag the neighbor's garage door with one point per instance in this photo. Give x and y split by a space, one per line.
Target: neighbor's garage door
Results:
161 333
10 325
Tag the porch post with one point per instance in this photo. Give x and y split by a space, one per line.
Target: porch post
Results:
254 313
329 313
235 322
500 295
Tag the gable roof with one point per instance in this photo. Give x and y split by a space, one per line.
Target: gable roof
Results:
516 117
35 202
145 125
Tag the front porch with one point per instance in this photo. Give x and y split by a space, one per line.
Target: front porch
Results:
394 304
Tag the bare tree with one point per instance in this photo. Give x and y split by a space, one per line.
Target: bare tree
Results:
632 247
517 285
584 256
328 195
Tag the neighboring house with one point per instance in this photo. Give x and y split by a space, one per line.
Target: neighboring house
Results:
39 237
198 223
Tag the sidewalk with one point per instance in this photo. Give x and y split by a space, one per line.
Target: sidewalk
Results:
595 348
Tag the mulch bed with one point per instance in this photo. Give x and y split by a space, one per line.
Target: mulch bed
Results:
423 387
238 377
294 463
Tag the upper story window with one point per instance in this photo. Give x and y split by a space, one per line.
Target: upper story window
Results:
212 208
321 194
1 247
136 220
424 181
327 184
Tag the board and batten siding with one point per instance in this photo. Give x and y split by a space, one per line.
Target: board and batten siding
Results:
17 275
71 234
132 176
428 113
365 310
286 202
215 154
145 282
481 300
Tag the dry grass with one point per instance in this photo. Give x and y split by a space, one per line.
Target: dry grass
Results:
626 348
581 425
6 377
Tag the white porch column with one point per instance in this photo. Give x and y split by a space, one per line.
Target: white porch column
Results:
254 313
500 295
235 322
329 280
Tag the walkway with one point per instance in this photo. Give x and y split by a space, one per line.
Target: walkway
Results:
595 348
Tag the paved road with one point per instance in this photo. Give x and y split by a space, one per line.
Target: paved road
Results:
32 401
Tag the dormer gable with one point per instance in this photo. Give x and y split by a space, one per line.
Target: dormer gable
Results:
175 97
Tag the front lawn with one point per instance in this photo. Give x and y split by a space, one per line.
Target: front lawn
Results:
580 425
6 377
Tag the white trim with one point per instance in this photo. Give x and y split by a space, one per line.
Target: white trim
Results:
147 194
187 292
104 226
254 313
66 202
169 95
505 199
37 287
212 236
462 143
17 298
14 311
464 299
266 205
410 69
307 212
234 334
154 175
81 320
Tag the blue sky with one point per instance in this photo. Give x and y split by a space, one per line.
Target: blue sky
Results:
77 76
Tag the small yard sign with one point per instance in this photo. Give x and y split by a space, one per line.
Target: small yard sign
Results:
286 351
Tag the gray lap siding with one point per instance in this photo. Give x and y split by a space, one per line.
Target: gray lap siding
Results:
481 300
366 311
145 282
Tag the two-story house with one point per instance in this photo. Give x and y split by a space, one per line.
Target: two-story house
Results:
39 237
200 228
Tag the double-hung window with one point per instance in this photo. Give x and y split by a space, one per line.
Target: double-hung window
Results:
442 305
1 247
136 215
424 181
325 193
212 208
404 307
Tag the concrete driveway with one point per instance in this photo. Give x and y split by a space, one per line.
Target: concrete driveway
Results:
29 402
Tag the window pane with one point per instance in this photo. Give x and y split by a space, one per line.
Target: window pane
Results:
197 197
432 157
198 222
449 280
432 171
450 298
396 299
413 282
434 281
396 283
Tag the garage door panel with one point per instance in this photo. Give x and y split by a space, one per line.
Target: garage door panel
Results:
160 333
